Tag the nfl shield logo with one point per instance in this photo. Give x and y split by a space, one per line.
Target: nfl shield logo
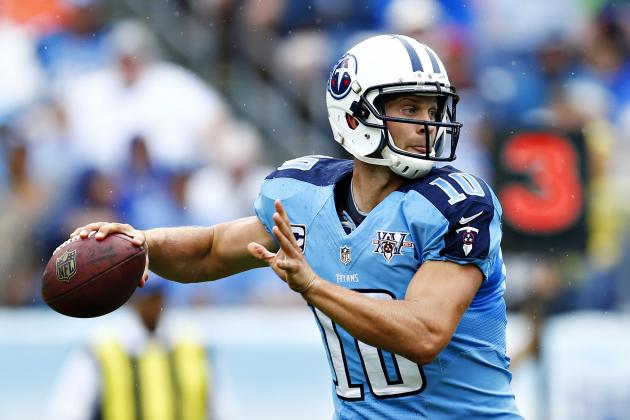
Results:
66 265
345 255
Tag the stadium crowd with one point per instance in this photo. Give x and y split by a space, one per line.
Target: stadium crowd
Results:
174 115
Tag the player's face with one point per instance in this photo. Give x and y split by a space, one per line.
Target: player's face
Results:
412 137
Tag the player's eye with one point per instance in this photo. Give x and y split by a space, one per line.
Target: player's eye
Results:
409 110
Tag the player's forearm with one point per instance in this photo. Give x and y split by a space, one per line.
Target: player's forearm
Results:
398 326
180 253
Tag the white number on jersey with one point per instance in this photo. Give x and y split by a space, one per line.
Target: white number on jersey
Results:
305 163
467 182
410 376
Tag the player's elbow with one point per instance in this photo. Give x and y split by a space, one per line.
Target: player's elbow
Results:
425 350
425 353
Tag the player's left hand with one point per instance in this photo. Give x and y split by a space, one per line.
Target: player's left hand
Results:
289 262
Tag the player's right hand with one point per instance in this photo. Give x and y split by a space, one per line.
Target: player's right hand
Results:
100 230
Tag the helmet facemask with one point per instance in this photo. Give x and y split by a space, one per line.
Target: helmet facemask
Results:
441 133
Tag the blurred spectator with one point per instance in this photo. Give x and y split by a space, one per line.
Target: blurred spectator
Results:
92 196
143 367
507 39
606 53
20 78
80 46
226 189
150 192
39 15
95 199
222 191
415 18
509 26
22 203
53 160
170 107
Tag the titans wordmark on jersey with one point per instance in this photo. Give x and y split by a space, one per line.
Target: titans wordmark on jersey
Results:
447 216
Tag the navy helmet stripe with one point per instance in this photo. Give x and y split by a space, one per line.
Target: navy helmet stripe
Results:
416 64
434 62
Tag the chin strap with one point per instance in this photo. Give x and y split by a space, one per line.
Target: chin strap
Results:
374 161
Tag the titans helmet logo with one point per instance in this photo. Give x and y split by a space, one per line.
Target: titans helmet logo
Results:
340 81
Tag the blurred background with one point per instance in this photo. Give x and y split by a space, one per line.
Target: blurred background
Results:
171 112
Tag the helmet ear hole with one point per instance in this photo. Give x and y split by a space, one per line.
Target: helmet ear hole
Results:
351 121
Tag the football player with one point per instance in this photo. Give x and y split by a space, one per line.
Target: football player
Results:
399 259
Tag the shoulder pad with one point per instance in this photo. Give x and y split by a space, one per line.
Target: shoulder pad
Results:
454 193
315 169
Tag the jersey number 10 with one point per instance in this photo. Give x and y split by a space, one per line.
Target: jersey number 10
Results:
410 377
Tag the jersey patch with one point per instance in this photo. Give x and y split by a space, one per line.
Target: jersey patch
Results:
390 244
345 255
299 231
467 236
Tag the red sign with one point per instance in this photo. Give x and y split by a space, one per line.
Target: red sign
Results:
540 183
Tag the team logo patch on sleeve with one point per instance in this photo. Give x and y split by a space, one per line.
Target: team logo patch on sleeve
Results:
468 235
390 244
299 231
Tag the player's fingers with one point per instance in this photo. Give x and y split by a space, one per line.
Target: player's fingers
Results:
144 279
110 228
84 231
138 238
286 223
289 248
280 209
285 227
281 223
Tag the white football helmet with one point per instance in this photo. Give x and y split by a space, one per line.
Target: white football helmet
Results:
391 65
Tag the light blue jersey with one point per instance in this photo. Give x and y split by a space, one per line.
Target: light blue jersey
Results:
447 215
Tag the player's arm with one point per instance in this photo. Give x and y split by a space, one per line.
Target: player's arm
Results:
418 327
192 254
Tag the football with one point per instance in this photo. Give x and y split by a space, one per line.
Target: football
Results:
86 278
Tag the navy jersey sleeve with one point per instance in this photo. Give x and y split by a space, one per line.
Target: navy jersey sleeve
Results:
462 223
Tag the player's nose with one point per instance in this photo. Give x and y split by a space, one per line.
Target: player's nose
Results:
423 128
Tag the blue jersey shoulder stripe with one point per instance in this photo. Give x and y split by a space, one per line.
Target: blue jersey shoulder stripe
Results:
316 170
